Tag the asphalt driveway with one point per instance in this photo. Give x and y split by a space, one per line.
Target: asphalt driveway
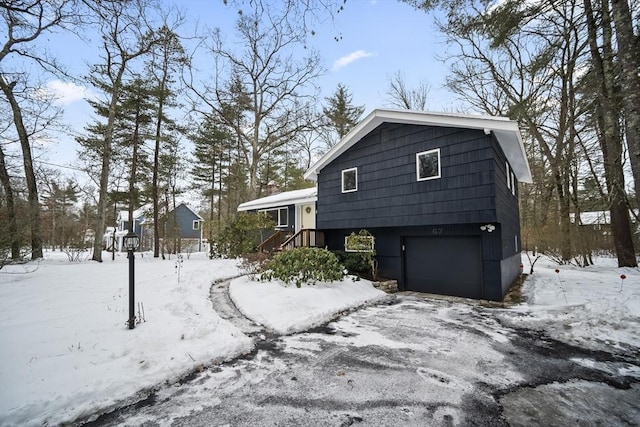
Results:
411 362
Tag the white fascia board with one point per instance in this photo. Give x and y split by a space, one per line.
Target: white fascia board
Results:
295 197
506 131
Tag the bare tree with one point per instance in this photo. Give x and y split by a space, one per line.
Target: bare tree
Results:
401 96
26 22
276 89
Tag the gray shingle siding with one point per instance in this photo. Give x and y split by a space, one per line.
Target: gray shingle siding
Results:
388 191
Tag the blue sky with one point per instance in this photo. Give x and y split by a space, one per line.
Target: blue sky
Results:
378 39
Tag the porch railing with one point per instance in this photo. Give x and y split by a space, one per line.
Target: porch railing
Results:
274 241
306 237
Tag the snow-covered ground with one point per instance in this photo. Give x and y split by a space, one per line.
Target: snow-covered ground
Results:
591 307
65 351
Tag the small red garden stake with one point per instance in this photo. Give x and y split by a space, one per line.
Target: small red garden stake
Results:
622 277
561 287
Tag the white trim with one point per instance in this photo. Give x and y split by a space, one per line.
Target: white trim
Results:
505 131
439 175
306 195
278 209
373 244
508 176
342 175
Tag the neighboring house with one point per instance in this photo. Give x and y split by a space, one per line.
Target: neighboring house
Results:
596 228
182 228
437 191
115 234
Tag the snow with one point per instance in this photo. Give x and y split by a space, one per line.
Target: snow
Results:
591 307
287 309
65 351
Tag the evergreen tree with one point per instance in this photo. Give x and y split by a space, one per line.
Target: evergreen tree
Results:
168 58
340 115
211 141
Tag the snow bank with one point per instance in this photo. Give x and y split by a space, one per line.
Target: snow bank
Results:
66 352
287 309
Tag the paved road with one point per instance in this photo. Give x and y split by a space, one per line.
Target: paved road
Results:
409 363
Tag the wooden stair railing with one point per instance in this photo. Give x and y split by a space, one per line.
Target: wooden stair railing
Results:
307 237
274 241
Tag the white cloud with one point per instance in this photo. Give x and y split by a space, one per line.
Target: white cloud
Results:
350 58
66 92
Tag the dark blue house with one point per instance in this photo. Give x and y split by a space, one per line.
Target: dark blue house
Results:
438 192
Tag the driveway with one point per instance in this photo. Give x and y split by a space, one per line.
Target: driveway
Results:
411 362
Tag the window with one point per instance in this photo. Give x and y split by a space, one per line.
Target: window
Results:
196 224
513 183
365 244
508 177
428 165
350 180
280 216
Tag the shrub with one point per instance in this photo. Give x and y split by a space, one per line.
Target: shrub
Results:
364 244
243 235
304 265
354 262
254 263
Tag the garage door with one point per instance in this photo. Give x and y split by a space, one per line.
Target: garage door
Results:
444 265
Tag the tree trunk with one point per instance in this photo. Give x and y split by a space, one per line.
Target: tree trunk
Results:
630 84
32 189
11 210
610 136
156 165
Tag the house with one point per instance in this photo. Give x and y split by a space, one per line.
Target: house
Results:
438 191
596 231
181 228
115 234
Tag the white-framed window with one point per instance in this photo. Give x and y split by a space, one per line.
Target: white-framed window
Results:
350 180
513 183
279 215
428 165
508 176
196 224
366 244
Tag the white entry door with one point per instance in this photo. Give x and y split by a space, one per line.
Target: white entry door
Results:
308 216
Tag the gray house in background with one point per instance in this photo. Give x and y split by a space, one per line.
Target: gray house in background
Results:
180 230
438 192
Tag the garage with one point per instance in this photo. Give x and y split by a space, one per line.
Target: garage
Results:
443 265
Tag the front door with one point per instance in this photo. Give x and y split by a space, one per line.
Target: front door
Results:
308 216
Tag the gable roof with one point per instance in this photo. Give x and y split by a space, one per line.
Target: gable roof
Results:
141 212
506 132
187 206
281 199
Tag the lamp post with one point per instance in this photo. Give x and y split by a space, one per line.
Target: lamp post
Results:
131 241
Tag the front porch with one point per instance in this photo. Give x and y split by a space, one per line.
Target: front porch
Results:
285 240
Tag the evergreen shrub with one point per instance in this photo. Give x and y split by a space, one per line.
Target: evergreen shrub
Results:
304 265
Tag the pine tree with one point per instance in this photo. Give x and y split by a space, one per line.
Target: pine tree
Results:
211 141
340 114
